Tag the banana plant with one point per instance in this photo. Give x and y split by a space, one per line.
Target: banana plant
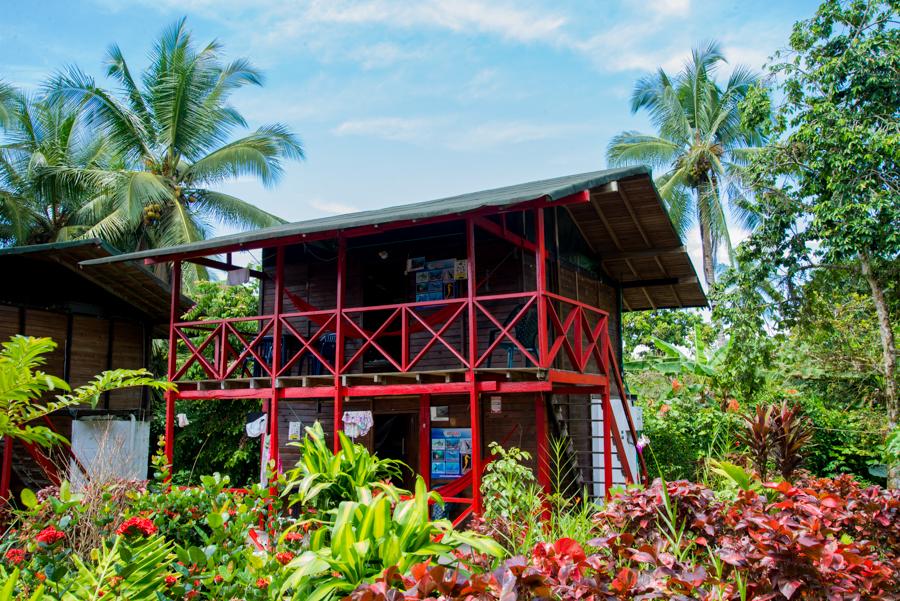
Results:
703 362
365 537
322 478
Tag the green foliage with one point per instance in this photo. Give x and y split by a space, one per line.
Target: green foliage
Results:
123 570
23 386
675 326
323 479
363 538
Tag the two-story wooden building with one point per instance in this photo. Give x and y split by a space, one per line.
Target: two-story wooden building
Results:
431 329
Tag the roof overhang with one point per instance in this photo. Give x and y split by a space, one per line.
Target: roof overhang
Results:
131 282
618 211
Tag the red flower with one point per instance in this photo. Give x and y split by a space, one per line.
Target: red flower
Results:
262 583
40 576
171 579
284 558
191 594
15 556
733 405
676 385
133 526
293 537
49 535
218 578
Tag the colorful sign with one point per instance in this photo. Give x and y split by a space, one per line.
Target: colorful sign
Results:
451 452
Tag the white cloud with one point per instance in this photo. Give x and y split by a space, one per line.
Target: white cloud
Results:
680 8
500 133
388 128
333 208
451 133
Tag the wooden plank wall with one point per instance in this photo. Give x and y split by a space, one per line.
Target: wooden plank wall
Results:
90 349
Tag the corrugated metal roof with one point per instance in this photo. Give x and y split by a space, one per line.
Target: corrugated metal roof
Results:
625 223
553 189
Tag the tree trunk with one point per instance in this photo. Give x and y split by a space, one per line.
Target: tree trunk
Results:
709 260
889 358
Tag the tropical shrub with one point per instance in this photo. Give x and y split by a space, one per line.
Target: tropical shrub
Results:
23 387
323 479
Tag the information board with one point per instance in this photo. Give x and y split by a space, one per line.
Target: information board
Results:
451 452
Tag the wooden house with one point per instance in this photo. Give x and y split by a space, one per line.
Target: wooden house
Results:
451 324
101 318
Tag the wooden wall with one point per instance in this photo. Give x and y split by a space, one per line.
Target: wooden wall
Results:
97 344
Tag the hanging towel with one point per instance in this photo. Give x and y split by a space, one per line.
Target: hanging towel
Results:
357 423
257 427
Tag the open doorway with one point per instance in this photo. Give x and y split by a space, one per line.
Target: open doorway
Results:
396 437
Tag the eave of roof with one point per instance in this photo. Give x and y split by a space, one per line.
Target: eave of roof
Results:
131 282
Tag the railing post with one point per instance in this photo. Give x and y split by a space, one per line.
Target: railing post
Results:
540 268
174 315
474 399
607 442
543 443
6 469
425 438
274 451
339 339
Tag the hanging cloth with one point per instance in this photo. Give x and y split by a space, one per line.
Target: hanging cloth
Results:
357 423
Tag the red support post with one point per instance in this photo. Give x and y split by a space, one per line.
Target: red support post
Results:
474 404
425 438
543 443
540 263
274 451
6 471
339 338
607 443
174 316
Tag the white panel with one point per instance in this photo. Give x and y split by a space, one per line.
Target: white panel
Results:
110 449
597 441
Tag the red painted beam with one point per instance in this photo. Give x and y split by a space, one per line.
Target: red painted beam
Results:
568 377
228 393
6 469
174 315
504 234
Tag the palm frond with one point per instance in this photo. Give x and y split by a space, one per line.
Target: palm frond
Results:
234 211
258 154
126 133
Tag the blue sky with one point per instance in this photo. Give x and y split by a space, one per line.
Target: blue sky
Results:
403 101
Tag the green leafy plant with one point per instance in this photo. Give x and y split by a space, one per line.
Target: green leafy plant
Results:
363 538
323 479
23 387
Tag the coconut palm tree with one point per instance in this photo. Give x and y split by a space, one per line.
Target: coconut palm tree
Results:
172 133
701 145
41 135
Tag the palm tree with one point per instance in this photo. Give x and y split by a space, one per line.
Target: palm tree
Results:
41 135
171 133
701 144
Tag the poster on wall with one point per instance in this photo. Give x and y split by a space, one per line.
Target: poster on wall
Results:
451 452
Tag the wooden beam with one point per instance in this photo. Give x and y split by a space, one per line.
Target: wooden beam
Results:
657 282
642 254
214 264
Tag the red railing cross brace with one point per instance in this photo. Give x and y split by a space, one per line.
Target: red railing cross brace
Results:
306 344
196 353
504 332
436 336
248 348
370 340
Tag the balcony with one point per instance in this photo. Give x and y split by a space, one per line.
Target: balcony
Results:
515 337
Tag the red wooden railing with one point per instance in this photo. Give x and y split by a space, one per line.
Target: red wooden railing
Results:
577 335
